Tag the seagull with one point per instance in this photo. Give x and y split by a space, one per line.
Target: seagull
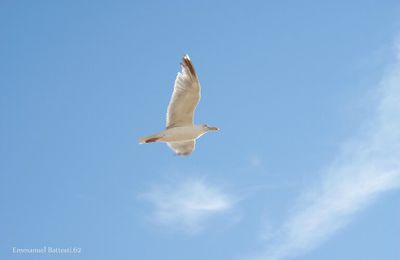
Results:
180 133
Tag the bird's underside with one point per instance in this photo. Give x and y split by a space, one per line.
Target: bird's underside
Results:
182 148
180 139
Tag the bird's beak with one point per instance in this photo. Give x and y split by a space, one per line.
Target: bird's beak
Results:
212 128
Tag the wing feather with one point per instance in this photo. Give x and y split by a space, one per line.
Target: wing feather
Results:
185 97
182 148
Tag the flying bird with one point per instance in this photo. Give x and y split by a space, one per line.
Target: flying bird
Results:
181 133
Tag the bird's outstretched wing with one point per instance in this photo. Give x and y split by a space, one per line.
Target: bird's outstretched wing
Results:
182 148
185 97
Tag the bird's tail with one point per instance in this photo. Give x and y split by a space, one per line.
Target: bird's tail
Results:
150 139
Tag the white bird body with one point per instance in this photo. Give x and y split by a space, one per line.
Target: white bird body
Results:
181 134
178 134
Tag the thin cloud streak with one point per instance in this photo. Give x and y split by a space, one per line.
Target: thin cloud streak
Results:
187 205
367 167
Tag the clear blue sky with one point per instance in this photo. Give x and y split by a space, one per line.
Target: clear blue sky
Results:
292 85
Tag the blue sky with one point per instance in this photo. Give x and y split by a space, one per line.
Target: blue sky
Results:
306 163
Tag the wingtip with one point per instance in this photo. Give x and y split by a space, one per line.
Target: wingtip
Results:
187 63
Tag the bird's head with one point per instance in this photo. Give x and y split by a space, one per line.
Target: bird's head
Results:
210 128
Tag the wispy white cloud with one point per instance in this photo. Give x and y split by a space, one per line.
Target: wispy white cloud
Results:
368 166
187 204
